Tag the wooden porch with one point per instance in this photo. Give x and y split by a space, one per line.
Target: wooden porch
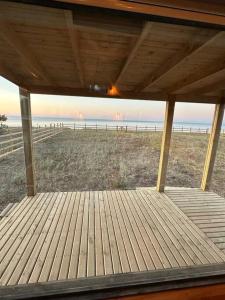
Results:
104 244
59 236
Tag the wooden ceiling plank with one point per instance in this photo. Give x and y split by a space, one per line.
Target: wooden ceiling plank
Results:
145 32
206 74
218 86
74 39
7 73
20 46
183 56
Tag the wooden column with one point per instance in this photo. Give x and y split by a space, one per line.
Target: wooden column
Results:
212 146
27 138
165 146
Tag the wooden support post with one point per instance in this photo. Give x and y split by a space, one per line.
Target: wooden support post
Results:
212 146
165 146
27 138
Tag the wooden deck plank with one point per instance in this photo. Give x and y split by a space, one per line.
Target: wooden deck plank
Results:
11 241
32 258
184 246
5 222
131 232
73 266
163 232
113 243
64 269
83 253
154 256
128 235
155 245
49 259
203 212
205 209
99 261
44 250
118 233
91 236
10 224
160 234
59 236
191 242
19 259
139 234
57 262
216 255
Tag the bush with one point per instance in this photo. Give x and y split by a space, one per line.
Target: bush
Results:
3 118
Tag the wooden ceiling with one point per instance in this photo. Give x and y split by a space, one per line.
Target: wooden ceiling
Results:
83 51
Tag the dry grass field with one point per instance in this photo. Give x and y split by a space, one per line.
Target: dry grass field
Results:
98 160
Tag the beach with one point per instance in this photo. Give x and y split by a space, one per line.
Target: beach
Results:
107 160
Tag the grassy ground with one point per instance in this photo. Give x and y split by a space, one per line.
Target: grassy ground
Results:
90 160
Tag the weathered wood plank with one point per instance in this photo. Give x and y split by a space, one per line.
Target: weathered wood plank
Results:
165 146
25 106
60 236
212 146
205 209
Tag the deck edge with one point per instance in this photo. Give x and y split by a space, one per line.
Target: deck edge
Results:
104 287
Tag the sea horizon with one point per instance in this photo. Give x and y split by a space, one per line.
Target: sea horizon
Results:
15 121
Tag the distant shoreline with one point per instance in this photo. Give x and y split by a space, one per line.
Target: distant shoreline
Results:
15 121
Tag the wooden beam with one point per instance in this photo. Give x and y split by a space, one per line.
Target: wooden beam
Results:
165 146
212 146
31 62
180 58
106 22
27 138
211 72
189 12
145 32
218 86
75 42
84 92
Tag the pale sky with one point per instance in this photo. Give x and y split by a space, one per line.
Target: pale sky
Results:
63 106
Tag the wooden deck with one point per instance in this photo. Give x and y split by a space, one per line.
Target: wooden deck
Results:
58 236
205 209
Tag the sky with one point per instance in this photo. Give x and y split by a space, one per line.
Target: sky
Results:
91 108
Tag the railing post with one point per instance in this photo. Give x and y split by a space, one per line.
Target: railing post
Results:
212 146
27 138
165 146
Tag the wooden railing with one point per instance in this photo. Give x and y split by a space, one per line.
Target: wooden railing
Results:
11 142
127 128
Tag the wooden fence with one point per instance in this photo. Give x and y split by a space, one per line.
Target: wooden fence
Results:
132 128
11 142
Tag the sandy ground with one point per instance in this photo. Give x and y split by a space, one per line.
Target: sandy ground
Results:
90 160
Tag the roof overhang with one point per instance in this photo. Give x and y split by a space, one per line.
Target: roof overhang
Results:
148 49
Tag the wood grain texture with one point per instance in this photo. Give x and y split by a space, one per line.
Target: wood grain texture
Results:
77 235
205 209
53 51
212 146
27 139
165 146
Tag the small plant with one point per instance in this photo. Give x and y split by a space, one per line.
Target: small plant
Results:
3 118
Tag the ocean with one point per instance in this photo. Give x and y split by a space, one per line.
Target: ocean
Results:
15 121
